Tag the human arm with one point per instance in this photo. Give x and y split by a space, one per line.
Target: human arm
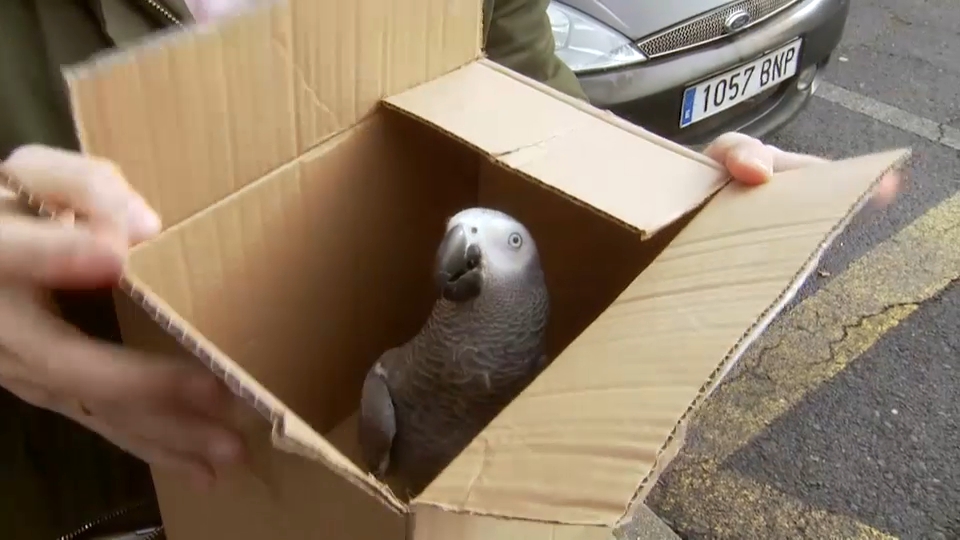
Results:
170 412
752 162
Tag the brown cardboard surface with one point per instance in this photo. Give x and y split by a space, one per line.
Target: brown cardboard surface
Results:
195 115
301 215
603 410
581 155
435 524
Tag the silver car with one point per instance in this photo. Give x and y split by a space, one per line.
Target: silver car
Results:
691 70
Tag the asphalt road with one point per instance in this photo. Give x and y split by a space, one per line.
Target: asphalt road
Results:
844 420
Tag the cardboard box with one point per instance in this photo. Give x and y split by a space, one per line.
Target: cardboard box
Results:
305 157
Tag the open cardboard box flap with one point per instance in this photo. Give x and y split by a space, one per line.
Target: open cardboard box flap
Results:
304 157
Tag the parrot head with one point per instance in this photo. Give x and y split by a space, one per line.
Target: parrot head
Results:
481 248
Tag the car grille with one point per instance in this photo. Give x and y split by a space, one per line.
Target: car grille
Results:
708 27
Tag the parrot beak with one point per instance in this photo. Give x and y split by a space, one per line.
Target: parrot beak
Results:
458 266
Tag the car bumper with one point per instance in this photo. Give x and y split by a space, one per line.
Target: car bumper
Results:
650 94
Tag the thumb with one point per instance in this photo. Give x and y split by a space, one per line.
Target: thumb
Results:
65 361
747 159
211 10
52 254
750 164
92 188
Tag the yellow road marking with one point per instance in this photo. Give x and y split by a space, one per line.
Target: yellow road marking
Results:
820 336
804 348
729 505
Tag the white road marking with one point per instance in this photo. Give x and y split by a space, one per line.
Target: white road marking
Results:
888 114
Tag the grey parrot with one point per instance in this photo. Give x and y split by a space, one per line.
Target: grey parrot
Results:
483 343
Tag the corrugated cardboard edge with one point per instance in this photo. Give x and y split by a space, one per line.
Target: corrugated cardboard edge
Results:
159 39
289 432
674 443
283 422
287 429
604 115
497 158
216 361
434 523
213 358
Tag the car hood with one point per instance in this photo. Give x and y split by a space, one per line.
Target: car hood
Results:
640 18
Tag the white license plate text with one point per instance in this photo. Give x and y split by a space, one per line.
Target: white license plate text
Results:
719 93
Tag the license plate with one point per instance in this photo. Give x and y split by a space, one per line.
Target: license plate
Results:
719 93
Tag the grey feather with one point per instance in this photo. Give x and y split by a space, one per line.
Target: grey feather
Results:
423 402
378 425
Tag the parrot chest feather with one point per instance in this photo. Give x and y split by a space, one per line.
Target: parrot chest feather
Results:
466 364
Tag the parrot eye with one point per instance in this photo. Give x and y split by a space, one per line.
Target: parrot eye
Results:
515 240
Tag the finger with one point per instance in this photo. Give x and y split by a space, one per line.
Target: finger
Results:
157 455
178 442
54 254
787 161
185 433
102 372
720 148
211 10
182 431
33 394
750 161
149 451
61 357
886 190
11 203
92 186
745 158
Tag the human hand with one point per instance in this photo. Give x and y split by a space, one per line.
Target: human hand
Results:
751 162
210 10
170 412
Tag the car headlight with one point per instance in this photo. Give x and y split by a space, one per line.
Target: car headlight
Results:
586 44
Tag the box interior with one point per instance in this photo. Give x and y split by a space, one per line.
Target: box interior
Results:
302 208
338 267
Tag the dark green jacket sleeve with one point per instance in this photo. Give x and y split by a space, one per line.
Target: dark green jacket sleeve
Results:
55 475
36 38
518 36
63 475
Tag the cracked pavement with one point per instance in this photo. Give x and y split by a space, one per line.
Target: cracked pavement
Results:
842 421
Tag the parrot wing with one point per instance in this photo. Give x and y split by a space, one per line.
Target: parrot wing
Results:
378 424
